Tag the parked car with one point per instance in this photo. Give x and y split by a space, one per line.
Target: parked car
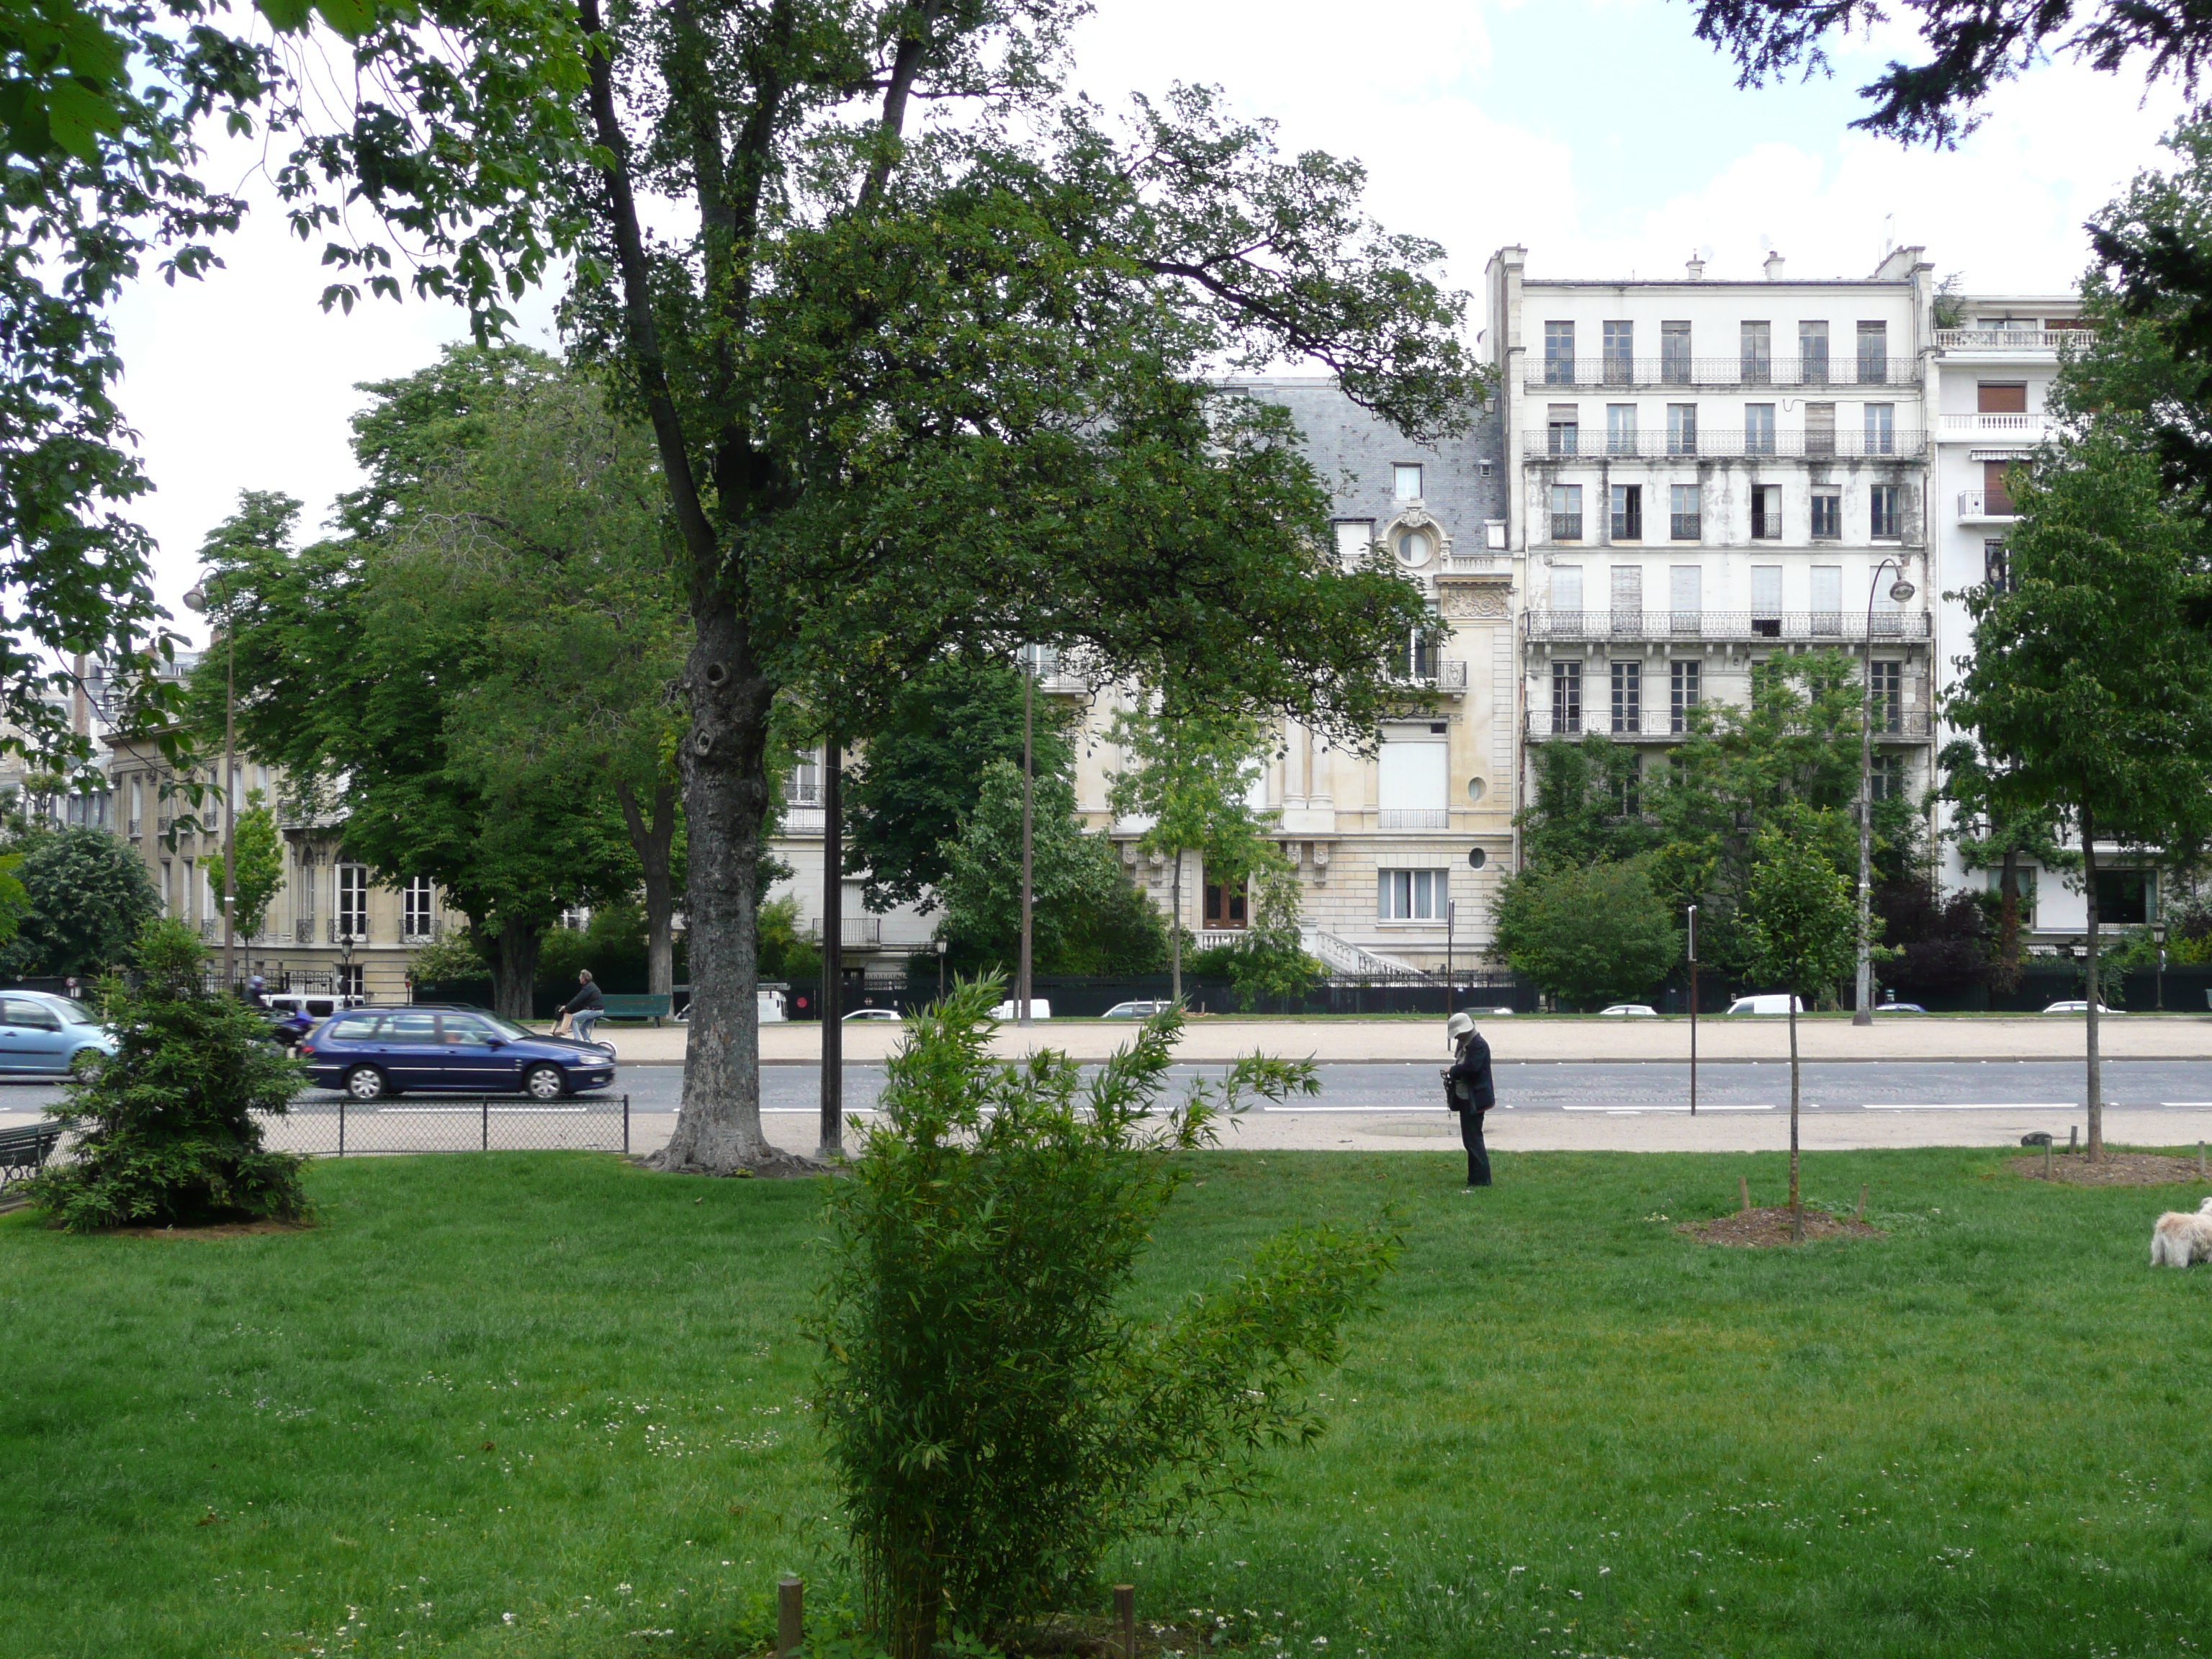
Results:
1039 1009
2080 1005
47 1034
1899 1008
372 1053
1775 1002
1136 1010
314 1004
1629 1011
874 1016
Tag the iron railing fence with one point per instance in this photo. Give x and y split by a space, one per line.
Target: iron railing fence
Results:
1829 626
336 1126
1592 443
1841 370
1986 504
1897 725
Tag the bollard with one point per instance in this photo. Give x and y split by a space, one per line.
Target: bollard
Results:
790 1616
2200 1160
1125 1617
2046 1161
1743 1186
2072 1133
1861 1215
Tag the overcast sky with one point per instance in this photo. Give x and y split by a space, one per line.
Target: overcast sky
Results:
1596 133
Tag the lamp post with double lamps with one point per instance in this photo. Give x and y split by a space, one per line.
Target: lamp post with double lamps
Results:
196 600
1900 591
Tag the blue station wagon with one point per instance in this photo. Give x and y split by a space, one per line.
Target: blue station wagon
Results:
372 1052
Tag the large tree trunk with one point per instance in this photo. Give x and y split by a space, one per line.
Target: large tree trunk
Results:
1797 1207
514 970
653 840
1174 927
2096 1065
726 795
2008 975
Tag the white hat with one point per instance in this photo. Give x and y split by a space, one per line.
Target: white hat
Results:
1458 1026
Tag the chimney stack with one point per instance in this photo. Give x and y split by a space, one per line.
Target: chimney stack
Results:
1696 269
1774 267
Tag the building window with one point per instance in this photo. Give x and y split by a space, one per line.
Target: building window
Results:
2023 889
168 888
1565 429
1886 778
415 904
1759 429
1685 598
1767 601
349 981
1766 512
1567 696
1627 598
1682 429
1887 696
1628 697
1827 598
1997 488
1997 567
1757 353
1621 428
1819 429
1675 366
1619 353
804 787
1558 354
1567 512
1355 538
1408 482
1684 523
1412 895
2124 897
1628 512
353 900
1682 692
1812 353
1882 428
2001 397
1567 588
1873 354
1828 514
1882 513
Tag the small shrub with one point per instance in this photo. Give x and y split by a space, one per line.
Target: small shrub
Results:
169 1136
996 1420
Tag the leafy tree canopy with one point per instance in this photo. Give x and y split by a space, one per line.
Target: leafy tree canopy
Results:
85 897
1589 934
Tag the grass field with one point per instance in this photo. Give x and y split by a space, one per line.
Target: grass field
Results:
552 1405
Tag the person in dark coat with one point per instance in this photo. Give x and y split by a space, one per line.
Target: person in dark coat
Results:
585 1007
1470 1092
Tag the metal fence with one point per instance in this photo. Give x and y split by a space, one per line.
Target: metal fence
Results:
340 1128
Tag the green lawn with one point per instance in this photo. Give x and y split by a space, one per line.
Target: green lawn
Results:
550 1404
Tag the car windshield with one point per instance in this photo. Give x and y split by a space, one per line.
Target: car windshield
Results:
72 1013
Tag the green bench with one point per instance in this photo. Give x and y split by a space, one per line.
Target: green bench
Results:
647 1006
24 1151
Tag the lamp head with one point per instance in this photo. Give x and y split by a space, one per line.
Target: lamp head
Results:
1901 590
196 598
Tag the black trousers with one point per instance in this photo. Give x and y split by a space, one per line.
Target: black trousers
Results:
1478 1155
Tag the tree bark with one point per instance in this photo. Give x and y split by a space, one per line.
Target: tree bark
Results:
653 840
514 970
2009 921
1796 1208
1174 927
2096 1148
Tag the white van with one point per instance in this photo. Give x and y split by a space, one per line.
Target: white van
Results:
1039 1009
1774 1002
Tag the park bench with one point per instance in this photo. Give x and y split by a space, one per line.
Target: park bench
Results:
24 1151
654 1008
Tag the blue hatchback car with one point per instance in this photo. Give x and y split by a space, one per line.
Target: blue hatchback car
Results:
372 1052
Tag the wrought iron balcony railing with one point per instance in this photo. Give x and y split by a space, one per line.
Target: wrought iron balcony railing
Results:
1841 372
348 930
1661 724
1412 818
1986 504
1729 443
860 930
1818 626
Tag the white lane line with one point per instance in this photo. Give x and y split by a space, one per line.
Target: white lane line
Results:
1973 1106
1630 1111
2199 1105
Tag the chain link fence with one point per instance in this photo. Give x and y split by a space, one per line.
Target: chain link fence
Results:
340 1127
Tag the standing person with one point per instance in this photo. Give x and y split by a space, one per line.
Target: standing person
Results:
1470 1092
586 1006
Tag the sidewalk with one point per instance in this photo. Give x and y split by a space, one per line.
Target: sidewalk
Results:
2127 1036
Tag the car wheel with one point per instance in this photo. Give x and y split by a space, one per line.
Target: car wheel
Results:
84 1064
365 1082
544 1083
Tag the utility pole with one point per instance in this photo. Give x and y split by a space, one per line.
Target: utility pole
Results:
831 1001
1029 762
1693 1010
1451 921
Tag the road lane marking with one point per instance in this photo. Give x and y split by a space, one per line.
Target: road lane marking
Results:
1715 1106
1973 1106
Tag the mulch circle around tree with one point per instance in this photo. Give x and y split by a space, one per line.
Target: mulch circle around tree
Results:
1088 1637
215 1229
1761 1229
2117 1170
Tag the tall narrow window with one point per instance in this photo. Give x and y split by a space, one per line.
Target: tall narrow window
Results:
1621 428
1684 523
1888 696
1819 429
1873 354
1766 512
1682 694
1566 432
1408 479
1627 598
1627 513
1682 429
1812 353
168 888
416 906
1757 353
1827 598
1882 513
1674 365
1766 600
1828 514
1355 538
1567 588
804 787
1882 428
1997 488
1997 567
1567 512
1558 354
1685 598
1627 696
1759 429
1886 779
353 900
1567 696
1619 353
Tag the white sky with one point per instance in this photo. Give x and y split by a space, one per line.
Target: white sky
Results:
1598 133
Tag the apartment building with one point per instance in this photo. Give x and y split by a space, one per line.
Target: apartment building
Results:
1707 474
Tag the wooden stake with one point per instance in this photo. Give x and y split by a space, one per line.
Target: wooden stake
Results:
1124 1615
1743 1186
1861 1215
2046 1161
790 1616
2073 1140
2200 1160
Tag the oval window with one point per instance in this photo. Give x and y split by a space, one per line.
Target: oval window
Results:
1414 547
1477 858
1476 789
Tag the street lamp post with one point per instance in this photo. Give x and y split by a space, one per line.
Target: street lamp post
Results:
1029 765
195 599
1900 589
1693 1010
940 970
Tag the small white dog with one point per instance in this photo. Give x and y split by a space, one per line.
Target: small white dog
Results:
2181 1238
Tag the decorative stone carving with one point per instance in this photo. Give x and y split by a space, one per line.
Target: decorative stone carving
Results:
1475 598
